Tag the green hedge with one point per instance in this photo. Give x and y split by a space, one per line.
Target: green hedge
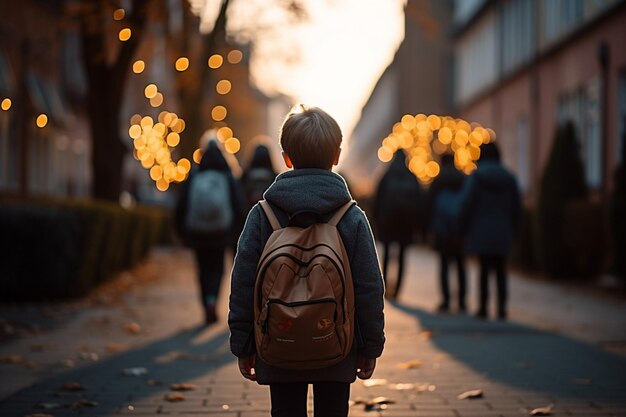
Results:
56 249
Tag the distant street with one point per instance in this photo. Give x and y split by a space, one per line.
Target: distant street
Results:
120 351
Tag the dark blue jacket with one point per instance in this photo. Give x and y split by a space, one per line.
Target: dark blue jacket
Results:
323 192
490 209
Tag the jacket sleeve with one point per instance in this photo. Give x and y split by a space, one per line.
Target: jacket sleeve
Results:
369 291
241 302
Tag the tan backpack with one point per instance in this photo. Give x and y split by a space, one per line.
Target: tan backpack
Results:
304 296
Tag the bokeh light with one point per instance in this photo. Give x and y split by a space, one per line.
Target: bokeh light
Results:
197 155
215 61
124 34
6 104
150 91
219 113
139 66
182 64
134 131
157 100
224 133
42 120
119 14
232 145
235 56
173 139
223 87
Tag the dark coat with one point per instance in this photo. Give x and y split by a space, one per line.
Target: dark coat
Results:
398 204
490 209
323 192
450 180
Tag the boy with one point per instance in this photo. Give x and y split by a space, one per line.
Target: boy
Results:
311 141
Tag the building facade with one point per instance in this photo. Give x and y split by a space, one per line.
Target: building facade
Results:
522 67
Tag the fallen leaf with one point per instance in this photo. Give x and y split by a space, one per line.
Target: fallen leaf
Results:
135 371
542 411
49 406
402 387
175 397
82 404
378 403
412 364
153 382
426 387
132 328
72 386
116 347
374 382
13 359
89 356
471 394
183 387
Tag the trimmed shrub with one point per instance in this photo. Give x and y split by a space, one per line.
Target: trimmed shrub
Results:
563 182
56 249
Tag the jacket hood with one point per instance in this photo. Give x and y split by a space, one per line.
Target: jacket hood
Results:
493 175
310 189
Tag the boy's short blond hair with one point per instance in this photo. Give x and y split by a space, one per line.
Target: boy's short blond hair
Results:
311 137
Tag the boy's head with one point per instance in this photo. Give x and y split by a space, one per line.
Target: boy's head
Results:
310 138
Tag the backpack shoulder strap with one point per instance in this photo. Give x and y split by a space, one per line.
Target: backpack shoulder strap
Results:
334 221
270 215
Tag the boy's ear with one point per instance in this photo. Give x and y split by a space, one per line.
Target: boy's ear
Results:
287 160
336 161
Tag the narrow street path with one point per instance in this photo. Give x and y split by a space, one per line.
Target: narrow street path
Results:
554 351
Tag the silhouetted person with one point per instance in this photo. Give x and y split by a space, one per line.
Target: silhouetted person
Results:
210 207
490 212
259 175
397 213
442 213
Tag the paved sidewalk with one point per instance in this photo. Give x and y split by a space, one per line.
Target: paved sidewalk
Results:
549 353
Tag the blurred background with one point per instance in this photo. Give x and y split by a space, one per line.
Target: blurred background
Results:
107 106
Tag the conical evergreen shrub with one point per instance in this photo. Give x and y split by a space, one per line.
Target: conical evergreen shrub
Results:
563 181
618 216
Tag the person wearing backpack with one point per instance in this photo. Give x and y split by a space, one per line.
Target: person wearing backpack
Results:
259 175
307 295
443 221
209 208
490 210
397 214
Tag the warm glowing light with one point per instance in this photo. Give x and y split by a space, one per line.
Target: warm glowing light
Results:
461 137
156 172
432 169
184 165
445 135
135 119
224 133
182 63
139 66
223 87
219 113
476 138
492 135
232 145
147 161
178 126
463 126
42 120
161 117
134 131
385 154
197 156
159 129
6 104
408 122
215 61
150 91
162 184
119 14
173 139
235 56
474 152
157 100
124 34
146 122
434 122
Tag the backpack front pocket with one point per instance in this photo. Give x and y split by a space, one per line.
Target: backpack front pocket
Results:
300 331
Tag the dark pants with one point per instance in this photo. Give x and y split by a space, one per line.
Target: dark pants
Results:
210 261
401 249
495 263
445 259
330 399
